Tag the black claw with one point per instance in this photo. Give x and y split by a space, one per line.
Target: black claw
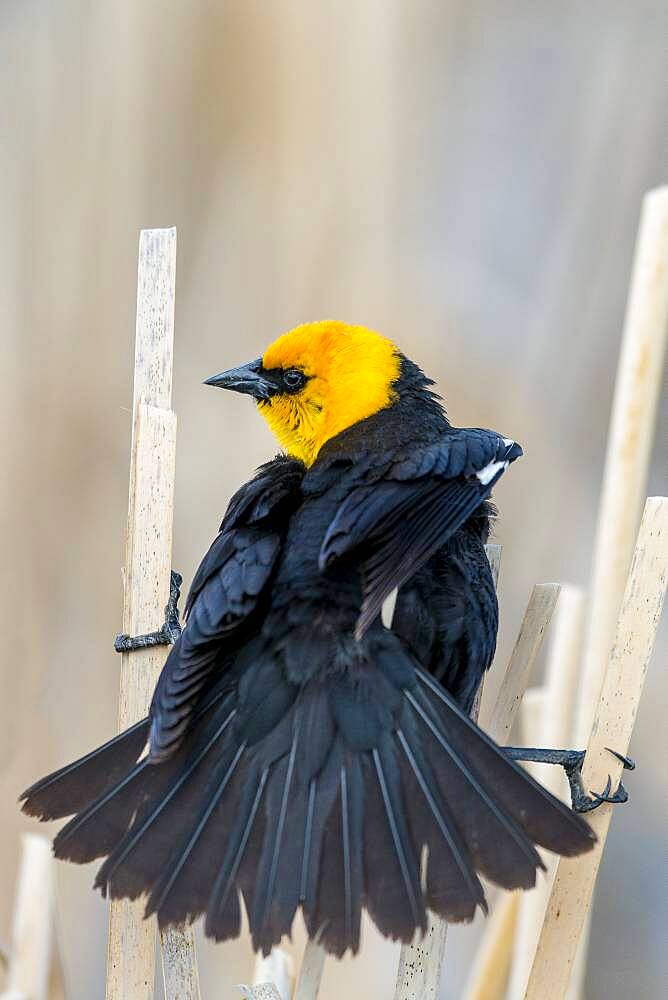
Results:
619 796
586 803
628 763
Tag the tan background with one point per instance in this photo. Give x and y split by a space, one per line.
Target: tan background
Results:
465 176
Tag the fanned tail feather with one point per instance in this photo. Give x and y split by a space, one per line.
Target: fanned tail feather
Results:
223 919
165 898
372 789
546 820
71 788
147 849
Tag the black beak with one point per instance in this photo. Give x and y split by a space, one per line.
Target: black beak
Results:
246 378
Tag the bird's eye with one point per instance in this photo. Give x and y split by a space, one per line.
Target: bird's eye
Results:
294 380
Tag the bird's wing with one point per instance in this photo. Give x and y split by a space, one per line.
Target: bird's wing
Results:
391 524
224 594
268 499
447 614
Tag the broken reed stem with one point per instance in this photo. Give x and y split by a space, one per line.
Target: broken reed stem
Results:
573 886
510 934
131 949
180 975
310 974
551 726
497 720
561 678
489 974
275 970
263 991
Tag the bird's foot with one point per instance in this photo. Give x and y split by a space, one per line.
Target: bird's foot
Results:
571 761
165 636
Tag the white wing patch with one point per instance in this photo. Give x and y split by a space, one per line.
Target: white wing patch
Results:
387 611
487 474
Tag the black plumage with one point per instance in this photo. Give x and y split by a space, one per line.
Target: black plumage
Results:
300 754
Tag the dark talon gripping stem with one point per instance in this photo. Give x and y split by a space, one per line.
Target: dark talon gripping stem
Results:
571 761
628 763
170 631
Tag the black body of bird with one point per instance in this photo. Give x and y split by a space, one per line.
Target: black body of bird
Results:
300 753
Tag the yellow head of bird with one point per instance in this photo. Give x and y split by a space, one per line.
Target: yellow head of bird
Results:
318 380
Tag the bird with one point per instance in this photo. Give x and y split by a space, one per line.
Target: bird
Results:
299 754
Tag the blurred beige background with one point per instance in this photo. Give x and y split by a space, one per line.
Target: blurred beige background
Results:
465 176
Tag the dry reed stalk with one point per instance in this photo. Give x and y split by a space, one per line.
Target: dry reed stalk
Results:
34 965
573 886
508 932
547 722
277 969
180 974
131 948
497 720
263 991
310 974
489 976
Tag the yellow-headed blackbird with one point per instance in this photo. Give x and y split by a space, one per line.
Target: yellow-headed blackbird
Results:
299 752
